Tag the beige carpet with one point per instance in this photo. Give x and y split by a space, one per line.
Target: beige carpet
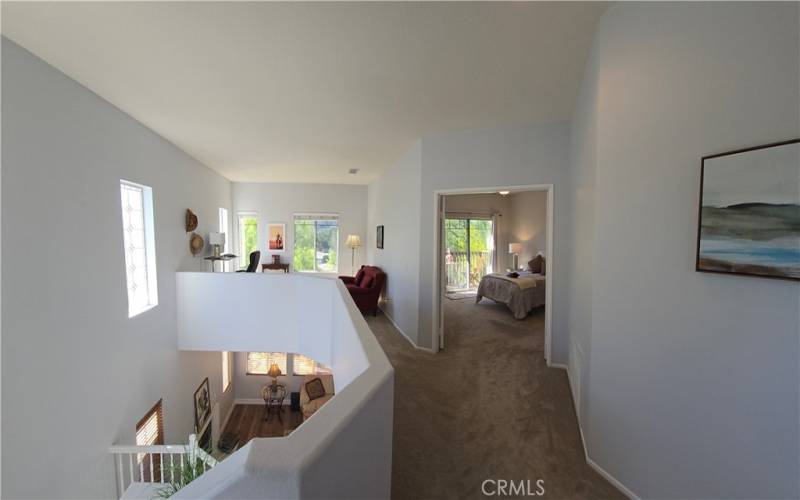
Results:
487 407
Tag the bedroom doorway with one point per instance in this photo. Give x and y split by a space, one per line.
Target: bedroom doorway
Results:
482 237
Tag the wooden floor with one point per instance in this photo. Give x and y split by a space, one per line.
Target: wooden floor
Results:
248 422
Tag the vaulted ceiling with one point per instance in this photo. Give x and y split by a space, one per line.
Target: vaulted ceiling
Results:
303 92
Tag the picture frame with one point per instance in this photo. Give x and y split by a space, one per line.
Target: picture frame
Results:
379 237
202 405
749 212
276 237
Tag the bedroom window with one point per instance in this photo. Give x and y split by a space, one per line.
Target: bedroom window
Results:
469 251
138 234
258 363
316 243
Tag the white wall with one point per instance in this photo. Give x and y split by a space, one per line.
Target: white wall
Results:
77 373
277 202
394 202
527 216
693 386
487 158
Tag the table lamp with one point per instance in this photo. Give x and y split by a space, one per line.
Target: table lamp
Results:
274 372
516 249
353 242
216 240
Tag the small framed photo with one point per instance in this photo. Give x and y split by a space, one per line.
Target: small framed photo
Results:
202 405
379 238
276 236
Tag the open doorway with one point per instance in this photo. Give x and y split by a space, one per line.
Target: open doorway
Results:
494 263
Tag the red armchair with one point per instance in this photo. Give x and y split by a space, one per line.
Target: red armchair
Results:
366 287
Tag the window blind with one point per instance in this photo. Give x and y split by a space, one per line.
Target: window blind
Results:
258 363
150 429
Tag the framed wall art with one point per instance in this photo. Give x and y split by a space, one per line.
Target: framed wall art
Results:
749 215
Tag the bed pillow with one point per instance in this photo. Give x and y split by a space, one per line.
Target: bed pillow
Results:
536 265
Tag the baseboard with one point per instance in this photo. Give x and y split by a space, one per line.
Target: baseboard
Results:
415 346
611 479
256 401
227 417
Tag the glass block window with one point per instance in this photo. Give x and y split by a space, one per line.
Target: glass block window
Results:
258 363
139 242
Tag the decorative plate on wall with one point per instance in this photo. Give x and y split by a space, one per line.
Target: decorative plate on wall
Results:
196 244
191 220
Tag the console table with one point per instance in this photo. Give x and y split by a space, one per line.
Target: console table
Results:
285 267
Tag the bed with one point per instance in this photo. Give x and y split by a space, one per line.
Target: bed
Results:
521 295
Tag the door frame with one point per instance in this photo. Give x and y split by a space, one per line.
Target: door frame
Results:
437 339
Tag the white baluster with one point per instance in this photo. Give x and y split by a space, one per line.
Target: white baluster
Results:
151 456
161 467
172 467
130 465
141 469
119 472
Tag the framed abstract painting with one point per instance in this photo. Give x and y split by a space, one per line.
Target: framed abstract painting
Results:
749 220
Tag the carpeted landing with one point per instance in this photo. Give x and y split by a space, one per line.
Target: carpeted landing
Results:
487 407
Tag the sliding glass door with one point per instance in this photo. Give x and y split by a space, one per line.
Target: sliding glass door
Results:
469 251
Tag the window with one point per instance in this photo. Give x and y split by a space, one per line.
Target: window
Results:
150 429
140 249
248 236
223 228
316 243
258 363
226 370
303 365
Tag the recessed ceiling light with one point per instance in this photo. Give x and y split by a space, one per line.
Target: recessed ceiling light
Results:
352 171
503 193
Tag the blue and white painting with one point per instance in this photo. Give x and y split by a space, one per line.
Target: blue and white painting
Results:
750 213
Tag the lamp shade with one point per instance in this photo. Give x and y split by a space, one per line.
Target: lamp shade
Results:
515 248
353 241
216 239
274 371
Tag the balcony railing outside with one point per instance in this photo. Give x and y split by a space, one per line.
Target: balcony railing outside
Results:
464 271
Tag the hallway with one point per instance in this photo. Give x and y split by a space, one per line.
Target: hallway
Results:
487 407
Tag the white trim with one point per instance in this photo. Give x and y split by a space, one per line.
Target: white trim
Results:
611 479
405 336
437 295
256 401
225 420
559 366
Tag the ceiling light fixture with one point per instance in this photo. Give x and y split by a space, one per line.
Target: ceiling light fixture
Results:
352 171
503 193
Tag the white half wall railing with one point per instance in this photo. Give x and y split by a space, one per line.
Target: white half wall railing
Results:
157 464
344 450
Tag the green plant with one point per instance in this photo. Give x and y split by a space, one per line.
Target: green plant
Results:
181 474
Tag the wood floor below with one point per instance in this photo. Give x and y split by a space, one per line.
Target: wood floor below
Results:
248 421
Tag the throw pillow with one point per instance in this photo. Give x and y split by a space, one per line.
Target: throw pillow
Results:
315 389
543 266
359 276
